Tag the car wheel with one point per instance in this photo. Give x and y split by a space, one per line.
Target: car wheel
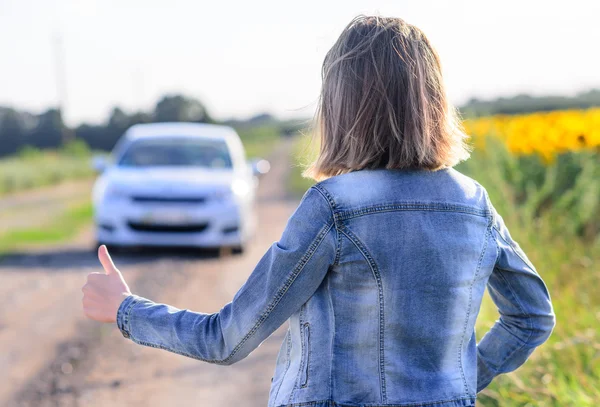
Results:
238 249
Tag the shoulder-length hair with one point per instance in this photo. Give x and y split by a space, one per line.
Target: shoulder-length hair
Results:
383 103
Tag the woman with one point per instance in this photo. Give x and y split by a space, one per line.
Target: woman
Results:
382 267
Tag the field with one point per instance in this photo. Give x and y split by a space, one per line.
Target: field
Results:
32 168
542 172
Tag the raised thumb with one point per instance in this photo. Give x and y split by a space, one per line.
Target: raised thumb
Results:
107 263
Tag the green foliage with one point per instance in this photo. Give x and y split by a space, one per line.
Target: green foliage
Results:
58 229
304 151
525 104
553 211
260 140
33 168
177 108
77 148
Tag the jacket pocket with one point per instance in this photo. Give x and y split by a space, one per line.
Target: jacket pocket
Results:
305 354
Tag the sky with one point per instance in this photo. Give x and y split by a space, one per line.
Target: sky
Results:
241 58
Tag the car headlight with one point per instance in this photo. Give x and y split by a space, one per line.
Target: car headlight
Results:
240 188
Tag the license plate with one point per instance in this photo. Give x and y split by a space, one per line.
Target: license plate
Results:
166 218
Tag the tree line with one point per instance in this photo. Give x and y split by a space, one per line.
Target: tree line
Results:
527 104
47 130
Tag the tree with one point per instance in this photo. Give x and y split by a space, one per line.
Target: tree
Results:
94 136
12 132
49 130
118 123
118 119
177 108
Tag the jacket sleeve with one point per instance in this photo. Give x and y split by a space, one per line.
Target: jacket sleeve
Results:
285 278
526 314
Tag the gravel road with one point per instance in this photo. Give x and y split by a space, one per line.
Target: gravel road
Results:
52 356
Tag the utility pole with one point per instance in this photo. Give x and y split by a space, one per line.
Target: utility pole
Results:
61 85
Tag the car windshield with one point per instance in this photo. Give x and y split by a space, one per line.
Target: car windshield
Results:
179 152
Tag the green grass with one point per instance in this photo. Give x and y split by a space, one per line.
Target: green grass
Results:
32 168
259 141
59 229
303 152
553 211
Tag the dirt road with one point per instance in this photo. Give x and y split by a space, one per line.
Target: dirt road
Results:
52 356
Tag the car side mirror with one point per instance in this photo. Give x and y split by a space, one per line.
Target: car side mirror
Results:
259 167
99 163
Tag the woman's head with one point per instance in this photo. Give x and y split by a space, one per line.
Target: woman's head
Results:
383 103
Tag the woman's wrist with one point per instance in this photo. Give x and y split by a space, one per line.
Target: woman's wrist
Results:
123 317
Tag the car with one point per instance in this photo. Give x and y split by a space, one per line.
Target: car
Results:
176 184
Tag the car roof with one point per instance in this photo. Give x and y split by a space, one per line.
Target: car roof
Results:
205 130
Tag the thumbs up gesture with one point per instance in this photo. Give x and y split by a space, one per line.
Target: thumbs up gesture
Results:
104 292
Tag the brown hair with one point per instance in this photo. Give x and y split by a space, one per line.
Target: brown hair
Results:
383 103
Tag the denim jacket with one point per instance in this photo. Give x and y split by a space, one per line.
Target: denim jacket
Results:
381 274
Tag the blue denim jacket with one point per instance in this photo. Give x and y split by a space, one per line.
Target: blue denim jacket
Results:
381 274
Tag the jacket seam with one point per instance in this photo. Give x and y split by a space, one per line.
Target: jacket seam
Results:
412 206
326 195
296 271
374 269
332 206
470 304
332 342
511 245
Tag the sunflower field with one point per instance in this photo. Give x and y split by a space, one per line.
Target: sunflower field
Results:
542 172
547 133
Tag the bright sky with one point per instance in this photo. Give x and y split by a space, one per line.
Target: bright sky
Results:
245 57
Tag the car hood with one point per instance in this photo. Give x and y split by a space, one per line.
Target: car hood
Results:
168 180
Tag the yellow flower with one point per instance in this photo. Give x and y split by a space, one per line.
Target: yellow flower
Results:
543 133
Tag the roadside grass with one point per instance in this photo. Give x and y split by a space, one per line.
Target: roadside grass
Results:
59 229
259 141
33 168
553 211
303 152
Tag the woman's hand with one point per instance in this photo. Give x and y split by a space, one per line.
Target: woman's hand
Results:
104 292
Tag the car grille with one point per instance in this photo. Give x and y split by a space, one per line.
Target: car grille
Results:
188 228
166 200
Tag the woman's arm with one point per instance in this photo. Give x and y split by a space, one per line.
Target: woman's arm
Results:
284 279
526 314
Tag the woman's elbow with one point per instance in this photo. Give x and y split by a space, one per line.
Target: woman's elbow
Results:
542 327
550 324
